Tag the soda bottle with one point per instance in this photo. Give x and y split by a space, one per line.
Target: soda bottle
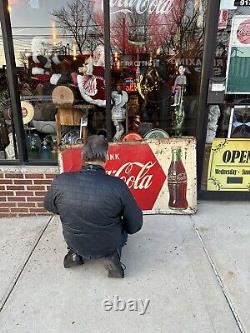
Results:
34 146
177 182
45 150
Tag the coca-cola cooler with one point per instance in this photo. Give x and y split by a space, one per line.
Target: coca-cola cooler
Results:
160 173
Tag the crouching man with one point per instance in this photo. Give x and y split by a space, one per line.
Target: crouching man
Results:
97 211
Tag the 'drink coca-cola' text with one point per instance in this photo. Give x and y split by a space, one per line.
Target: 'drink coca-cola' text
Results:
135 174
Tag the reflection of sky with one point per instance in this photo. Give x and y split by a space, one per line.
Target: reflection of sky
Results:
227 4
26 15
37 16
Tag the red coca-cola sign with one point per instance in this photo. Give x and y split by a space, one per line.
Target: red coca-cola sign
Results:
243 32
134 163
138 167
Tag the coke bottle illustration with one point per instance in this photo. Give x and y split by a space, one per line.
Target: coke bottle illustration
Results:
177 182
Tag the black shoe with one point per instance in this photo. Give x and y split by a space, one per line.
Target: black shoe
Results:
72 259
113 265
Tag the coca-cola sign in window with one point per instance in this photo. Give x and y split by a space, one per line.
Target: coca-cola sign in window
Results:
137 23
243 32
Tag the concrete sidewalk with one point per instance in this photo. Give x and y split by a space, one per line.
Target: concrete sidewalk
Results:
195 271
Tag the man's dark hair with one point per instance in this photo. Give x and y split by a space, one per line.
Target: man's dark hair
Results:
95 149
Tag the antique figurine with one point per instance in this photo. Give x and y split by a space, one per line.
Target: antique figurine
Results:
180 82
213 117
179 90
120 98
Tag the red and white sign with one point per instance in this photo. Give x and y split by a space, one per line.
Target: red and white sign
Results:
240 31
140 23
243 32
139 169
145 167
223 19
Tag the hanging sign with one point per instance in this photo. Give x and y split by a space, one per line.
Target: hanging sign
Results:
238 64
229 165
223 19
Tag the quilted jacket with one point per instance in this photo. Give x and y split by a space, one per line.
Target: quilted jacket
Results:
96 210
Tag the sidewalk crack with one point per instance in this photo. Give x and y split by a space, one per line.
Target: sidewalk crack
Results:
219 280
19 272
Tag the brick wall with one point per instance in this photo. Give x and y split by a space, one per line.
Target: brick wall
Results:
22 190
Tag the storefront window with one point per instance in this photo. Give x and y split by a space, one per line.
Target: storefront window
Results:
156 61
156 65
8 150
52 49
228 130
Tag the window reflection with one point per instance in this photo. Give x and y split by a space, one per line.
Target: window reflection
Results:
149 49
56 52
60 59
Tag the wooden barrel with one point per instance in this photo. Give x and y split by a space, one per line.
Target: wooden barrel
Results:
66 95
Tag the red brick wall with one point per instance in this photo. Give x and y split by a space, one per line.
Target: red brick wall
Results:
22 194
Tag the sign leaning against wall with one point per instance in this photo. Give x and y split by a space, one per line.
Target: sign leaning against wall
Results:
160 173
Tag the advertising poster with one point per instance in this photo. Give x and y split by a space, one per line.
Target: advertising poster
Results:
229 165
238 78
161 174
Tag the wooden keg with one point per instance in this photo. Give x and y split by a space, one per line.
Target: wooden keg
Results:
66 95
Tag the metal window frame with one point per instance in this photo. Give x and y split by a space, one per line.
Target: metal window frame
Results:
210 39
13 82
107 73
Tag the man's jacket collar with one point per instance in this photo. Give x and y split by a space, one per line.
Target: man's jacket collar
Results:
92 167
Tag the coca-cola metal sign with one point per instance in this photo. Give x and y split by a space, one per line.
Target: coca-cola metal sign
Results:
243 32
138 167
161 174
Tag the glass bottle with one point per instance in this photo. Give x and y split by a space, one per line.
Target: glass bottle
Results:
177 182
45 150
34 146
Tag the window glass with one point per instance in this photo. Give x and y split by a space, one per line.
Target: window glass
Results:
156 65
156 56
60 61
229 98
8 148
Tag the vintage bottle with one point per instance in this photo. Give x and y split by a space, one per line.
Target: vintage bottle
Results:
45 150
34 146
177 182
